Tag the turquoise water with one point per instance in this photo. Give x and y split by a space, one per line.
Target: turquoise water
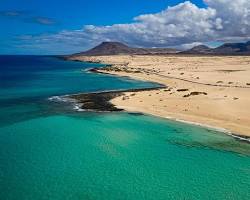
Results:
49 151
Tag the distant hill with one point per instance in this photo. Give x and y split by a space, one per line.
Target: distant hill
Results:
225 49
201 49
117 48
233 48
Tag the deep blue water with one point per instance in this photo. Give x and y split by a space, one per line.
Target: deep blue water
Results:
50 151
28 81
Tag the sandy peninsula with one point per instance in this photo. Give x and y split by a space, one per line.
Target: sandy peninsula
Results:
209 90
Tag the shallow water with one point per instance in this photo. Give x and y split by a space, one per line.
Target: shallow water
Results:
48 151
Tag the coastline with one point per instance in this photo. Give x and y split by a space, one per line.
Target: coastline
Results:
121 69
106 106
101 101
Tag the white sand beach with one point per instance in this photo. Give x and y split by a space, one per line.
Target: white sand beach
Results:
211 90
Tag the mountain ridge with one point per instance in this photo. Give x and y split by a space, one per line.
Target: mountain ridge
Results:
224 49
118 48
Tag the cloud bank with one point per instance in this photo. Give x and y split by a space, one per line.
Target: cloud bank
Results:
183 25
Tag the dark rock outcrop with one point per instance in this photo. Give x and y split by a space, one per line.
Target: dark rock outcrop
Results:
100 101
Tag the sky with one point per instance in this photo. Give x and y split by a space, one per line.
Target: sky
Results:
69 26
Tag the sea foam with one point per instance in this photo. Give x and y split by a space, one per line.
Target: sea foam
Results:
66 99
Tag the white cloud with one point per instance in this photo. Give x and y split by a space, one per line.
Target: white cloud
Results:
182 25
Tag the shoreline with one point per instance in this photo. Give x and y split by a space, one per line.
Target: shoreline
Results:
122 69
106 106
101 101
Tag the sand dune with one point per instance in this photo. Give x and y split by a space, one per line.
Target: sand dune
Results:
211 90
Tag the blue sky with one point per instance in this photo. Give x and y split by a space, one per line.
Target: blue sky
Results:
47 26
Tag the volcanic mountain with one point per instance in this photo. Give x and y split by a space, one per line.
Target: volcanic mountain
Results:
117 48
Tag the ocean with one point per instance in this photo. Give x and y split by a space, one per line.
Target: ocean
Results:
49 150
